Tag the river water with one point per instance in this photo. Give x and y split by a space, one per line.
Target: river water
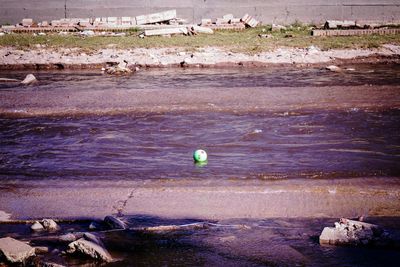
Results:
351 141
306 143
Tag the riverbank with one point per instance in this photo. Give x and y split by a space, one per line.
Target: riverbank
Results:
12 58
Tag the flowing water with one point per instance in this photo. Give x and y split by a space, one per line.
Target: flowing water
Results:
246 146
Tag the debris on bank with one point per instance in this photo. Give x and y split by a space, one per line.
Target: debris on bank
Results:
161 23
355 27
351 232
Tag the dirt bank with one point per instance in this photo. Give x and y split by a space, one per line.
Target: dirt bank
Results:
44 58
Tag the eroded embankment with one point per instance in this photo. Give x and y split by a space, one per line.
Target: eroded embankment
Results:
73 58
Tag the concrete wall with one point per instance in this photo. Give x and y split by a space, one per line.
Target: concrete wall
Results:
268 11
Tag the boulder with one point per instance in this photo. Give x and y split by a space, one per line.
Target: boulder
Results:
67 238
15 251
93 238
50 225
351 232
37 227
114 223
90 249
29 79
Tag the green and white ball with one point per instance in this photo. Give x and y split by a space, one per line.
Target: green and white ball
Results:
200 155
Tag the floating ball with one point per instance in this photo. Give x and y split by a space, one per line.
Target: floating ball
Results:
200 155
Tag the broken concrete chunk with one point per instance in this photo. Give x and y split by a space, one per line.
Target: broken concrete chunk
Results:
206 22
350 232
27 22
29 79
167 31
156 17
15 251
89 249
114 223
250 21
37 226
199 29
50 225
335 24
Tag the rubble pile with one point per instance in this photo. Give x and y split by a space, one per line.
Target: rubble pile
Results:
230 22
164 23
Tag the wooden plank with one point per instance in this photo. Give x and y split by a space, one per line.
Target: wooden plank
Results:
354 32
156 17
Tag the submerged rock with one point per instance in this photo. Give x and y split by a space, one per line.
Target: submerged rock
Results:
50 225
37 227
333 68
114 223
67 238
29 79
120 69
15 251
350 232
90 249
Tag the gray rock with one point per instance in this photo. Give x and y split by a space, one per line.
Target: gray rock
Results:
67 238
50 225
350 232
37 226
89 249
93 238
15 251
114 223
29 79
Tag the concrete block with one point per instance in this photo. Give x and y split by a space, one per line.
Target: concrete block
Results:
27 22
156 17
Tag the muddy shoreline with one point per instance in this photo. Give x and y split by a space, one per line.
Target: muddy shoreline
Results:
208 57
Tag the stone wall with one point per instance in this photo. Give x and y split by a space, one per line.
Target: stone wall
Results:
268 11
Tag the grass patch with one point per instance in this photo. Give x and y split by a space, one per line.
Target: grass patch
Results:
246 41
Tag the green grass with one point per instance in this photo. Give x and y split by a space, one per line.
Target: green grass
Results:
246 41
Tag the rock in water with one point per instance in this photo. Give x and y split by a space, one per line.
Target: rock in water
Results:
67 238
29 79
50 225
93 238
114 222
90 249
37 226
350 232
15 251
333 68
